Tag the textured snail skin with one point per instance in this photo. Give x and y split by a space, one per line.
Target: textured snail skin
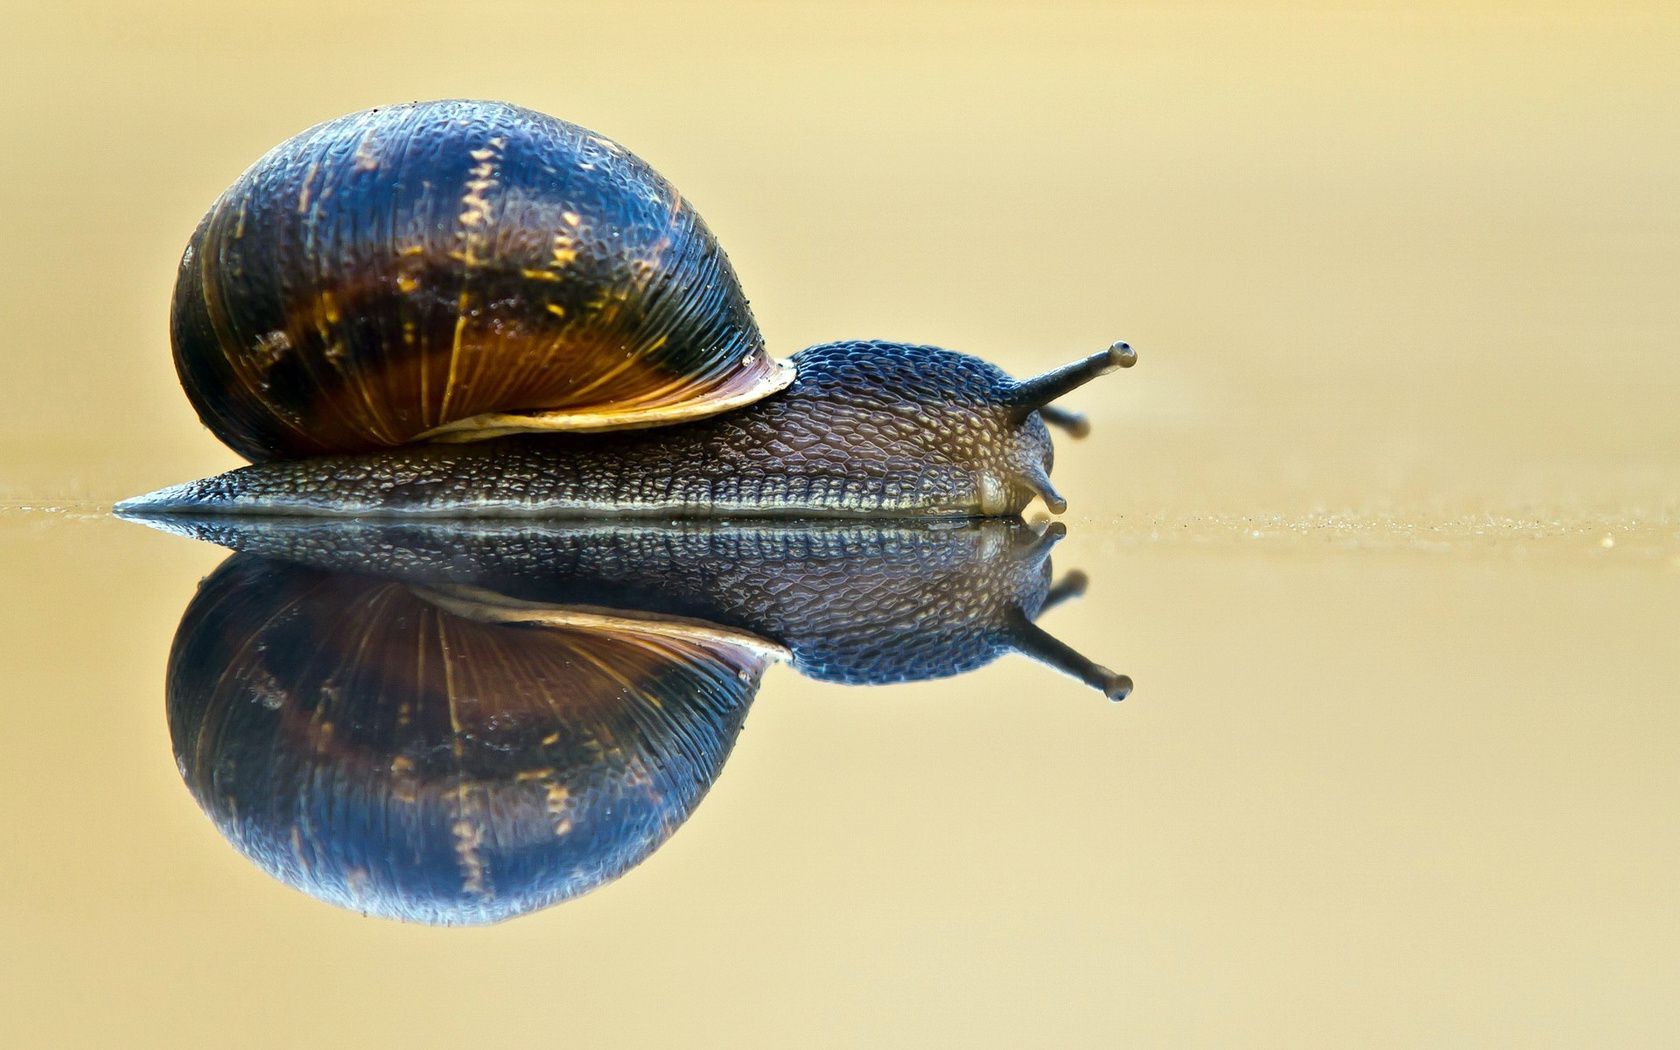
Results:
866 429
865 604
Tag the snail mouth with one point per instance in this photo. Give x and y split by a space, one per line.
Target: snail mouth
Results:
655 411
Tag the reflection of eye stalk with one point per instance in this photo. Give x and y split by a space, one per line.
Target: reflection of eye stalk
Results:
459 725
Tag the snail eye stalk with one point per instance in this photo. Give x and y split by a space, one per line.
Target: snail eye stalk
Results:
1032 395
1074 424
1065 589
1034 641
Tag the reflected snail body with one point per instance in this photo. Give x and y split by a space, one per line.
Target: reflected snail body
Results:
460 726
467 308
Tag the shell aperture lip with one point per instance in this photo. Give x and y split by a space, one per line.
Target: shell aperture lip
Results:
759 380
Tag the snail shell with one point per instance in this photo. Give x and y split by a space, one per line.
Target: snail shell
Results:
455 269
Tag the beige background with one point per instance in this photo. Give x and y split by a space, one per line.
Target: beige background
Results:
1385 524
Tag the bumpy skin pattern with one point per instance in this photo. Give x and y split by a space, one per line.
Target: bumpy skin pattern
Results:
393 270
854 603
382 754
867 429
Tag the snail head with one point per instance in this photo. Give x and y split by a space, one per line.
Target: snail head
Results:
1028 410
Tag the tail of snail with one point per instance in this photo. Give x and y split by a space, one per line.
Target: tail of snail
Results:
469 308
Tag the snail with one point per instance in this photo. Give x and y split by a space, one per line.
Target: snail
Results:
459 726
468 308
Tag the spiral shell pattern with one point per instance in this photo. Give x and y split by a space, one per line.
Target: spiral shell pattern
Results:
455 270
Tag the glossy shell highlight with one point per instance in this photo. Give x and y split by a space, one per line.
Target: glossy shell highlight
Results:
455 270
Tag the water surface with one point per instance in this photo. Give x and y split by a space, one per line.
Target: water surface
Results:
1366 771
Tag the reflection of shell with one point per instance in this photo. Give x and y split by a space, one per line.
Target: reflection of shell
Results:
443 759
445 265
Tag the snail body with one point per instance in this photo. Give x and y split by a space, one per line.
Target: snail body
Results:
465 308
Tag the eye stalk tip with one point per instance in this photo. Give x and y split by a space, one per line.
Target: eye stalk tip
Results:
1035 394
1117 687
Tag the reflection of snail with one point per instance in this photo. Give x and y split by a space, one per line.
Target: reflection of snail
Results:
469 308
460 728
383 752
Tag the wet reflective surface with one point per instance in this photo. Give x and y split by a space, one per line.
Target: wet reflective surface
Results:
1355 759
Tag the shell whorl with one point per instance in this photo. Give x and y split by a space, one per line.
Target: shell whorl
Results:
455 269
